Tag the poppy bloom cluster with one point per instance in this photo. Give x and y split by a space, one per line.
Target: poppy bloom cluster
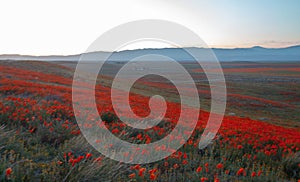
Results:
152 173
37 102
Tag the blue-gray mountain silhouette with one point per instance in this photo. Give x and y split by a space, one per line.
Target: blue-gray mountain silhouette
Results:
256 53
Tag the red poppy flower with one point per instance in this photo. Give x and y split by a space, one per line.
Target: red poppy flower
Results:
153 176
8 171
131 176
184 162
203 179
220 166
141 171
199 169
240 171
239 147
88 155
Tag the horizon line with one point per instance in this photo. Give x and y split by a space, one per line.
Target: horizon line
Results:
155 48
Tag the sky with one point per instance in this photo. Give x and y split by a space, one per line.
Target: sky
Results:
57 27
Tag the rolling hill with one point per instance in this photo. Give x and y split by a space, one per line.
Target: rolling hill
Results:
237 54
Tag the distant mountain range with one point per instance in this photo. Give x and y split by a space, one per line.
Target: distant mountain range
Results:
237 54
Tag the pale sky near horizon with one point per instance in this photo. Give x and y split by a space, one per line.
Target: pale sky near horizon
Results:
68 27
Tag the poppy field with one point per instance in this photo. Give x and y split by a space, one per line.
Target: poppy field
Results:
259 139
